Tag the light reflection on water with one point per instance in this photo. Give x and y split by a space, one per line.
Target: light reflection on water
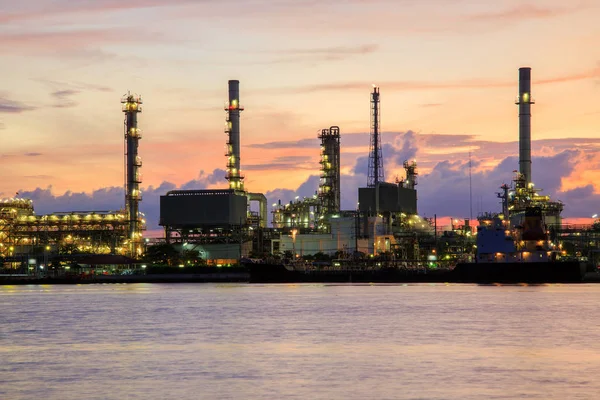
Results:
239 341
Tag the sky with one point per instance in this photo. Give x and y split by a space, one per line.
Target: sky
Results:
447 72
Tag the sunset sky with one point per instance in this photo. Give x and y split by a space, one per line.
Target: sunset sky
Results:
447 71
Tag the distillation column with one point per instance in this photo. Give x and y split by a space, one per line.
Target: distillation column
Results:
375 174
524 101
133 196
329 185
232 128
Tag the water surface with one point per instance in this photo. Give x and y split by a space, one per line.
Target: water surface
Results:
241 341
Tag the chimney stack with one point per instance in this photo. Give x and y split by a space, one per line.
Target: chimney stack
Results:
232 128
525 101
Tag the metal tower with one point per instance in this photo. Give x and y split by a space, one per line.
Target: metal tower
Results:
524 101
411 174
232 128
133 162
375 174
329 186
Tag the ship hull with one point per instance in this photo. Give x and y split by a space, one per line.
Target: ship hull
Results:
558 272
278 273
542 272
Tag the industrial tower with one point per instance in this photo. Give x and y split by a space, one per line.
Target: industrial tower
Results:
375 174
525 196
133 162
232 128
524 101
329 186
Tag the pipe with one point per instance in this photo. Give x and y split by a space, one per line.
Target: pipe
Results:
524 101
262 204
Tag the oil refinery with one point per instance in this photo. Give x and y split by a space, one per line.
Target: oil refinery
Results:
223 226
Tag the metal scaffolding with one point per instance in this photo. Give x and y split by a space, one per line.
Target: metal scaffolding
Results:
232 129
23 233
375 174
329 185
133 177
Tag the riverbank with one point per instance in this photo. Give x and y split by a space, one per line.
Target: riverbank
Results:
149 278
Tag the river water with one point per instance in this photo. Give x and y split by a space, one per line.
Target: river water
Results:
242 341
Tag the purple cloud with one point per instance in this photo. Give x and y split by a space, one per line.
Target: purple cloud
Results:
13 107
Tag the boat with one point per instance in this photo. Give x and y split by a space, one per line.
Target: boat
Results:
520 255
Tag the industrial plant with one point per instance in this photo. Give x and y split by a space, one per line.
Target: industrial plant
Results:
39 239
224 226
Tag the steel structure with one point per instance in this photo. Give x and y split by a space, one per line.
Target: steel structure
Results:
411 175
303 214
232 129
375 174
22 232
524 101
329 185
133 178
523 194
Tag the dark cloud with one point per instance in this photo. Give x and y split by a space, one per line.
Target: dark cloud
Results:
204 180
64 98
306 189
298 159
112 198
77 87
302 143
361 167
404 148
279 166
284 163
13 107
445 189
62 94
33 154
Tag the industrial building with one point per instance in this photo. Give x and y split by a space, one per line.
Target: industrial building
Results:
28 237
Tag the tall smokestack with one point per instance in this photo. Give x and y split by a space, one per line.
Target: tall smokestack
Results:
133 178
525 101
233 109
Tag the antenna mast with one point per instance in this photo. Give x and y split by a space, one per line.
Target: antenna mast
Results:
470 189
375 174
